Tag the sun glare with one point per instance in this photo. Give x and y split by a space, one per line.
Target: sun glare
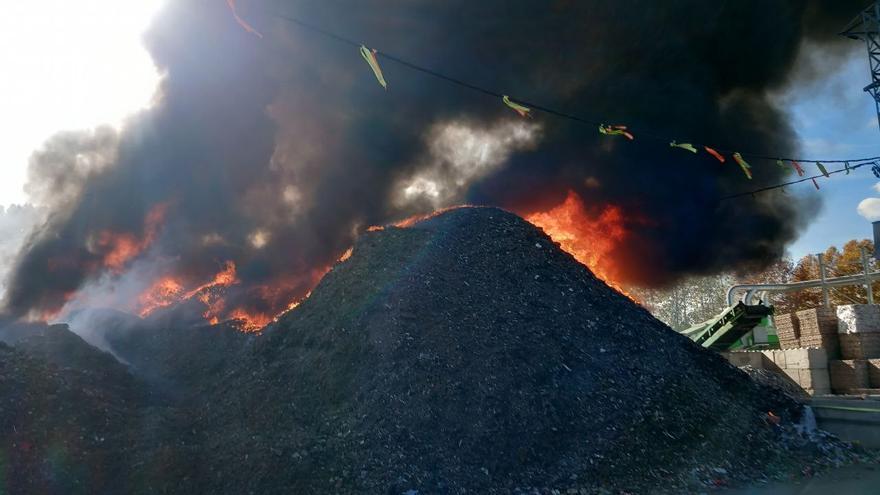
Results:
68 65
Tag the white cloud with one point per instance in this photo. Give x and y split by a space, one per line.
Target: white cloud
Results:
870 209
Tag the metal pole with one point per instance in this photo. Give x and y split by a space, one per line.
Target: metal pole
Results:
822 278
876 226
868 289
871 39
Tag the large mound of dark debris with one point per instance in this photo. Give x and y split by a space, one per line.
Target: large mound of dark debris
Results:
59 346
466 353
470 353
63 429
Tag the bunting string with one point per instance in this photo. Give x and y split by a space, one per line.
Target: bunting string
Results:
868 161
525 108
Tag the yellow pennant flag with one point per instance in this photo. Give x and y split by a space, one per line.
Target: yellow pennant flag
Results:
744 165
684 146
523 111
370 57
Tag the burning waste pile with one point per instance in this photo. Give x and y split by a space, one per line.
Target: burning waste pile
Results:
463 353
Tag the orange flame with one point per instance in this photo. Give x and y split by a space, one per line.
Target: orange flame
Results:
409 222
249 322
589 238
169 290
120 248
210 297
164 292
346 255
224 278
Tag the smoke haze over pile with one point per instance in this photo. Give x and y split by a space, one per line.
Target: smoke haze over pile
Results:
272 153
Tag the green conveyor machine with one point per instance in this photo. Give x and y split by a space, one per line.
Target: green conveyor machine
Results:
727 329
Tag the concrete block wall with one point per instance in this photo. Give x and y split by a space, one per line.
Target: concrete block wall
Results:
848 375
858 318
824 349
874 373
806 367
753 359
858 327
860 345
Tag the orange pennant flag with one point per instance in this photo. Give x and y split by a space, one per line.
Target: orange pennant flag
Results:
241 22
714 153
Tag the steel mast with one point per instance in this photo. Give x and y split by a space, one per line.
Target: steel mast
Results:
866 26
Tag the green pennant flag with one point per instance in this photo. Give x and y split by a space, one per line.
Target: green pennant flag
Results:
373 62
615 130
822 169
684 146
523 111
744 165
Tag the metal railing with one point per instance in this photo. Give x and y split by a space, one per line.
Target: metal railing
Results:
760 291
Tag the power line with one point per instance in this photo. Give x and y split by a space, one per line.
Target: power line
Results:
869 161
565 115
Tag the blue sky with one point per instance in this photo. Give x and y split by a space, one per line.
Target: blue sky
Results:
835 119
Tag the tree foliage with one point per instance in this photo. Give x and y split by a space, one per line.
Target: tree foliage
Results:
697 299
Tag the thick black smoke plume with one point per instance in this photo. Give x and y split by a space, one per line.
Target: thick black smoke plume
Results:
274 152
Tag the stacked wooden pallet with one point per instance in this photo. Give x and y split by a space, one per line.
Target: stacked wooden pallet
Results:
788 330
818 327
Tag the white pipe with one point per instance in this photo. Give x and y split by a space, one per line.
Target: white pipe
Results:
751 289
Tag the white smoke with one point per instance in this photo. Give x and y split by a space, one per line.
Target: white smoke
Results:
460 153
16 223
